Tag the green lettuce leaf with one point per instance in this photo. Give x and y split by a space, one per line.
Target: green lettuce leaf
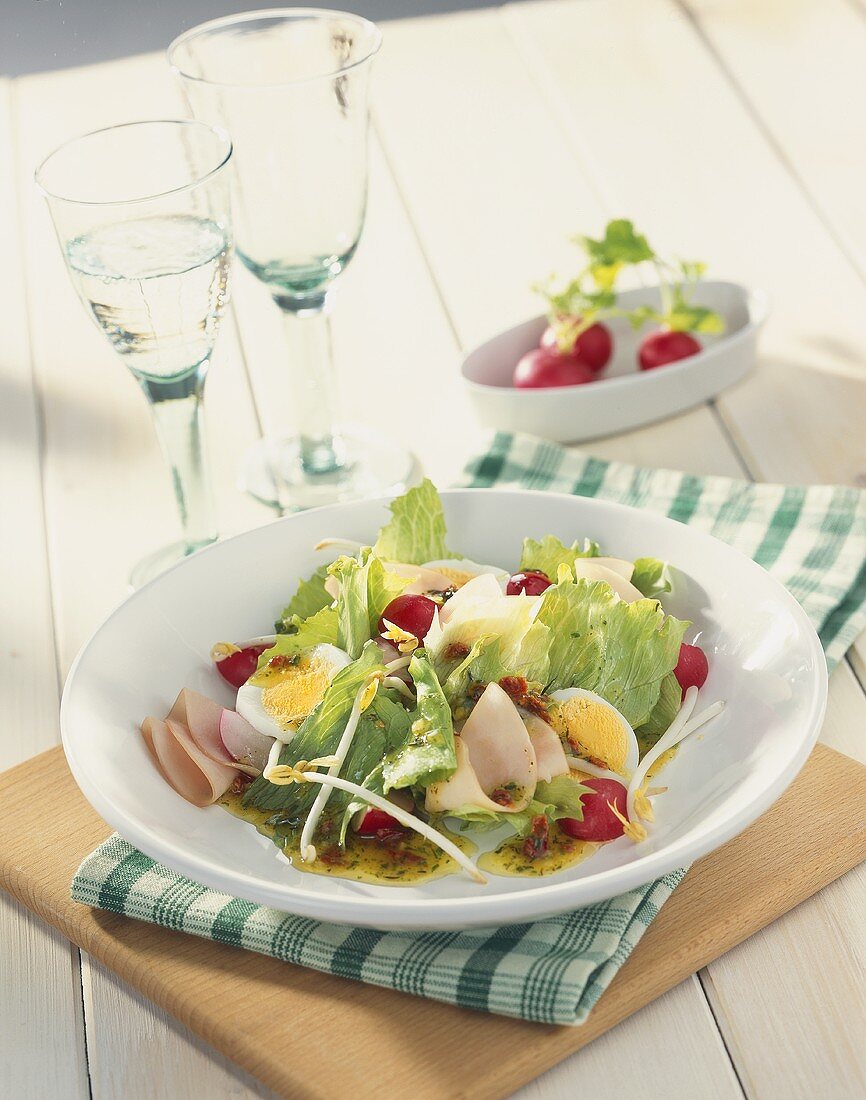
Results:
416 531
620 650
310 598
527 657
428 754
514 642
458 681
562 796
651 577
547 555
319 735
385 728
663 713
318 629
366 589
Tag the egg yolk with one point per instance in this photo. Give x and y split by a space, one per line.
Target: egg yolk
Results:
298 691
592 730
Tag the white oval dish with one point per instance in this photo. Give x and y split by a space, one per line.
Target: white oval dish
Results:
625 396
765 660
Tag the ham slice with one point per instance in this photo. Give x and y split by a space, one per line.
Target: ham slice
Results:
201 716
193 775
461 789
500 751
549 753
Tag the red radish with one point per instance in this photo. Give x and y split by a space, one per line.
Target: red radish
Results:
236 668
692 667
593 347
243 743
375 820
409 612
599 820
664 346
545 367
533 582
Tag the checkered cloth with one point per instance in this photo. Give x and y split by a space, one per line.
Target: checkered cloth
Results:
552 971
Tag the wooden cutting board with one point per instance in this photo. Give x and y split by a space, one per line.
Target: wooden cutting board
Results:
311 1035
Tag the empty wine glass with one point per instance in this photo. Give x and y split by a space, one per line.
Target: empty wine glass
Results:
142 214
291 87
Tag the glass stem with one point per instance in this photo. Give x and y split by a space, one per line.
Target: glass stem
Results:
176 406
311 363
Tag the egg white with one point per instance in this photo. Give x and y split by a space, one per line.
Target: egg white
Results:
249 701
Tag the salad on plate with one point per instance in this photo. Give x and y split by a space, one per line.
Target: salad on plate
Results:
417 714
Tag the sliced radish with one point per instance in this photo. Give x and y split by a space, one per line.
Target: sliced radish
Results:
244 744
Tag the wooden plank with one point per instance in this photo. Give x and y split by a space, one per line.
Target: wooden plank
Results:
698 174
225 993
815 135
800 69
493 192
770 417
109 502
688 1068
35 961
792 1001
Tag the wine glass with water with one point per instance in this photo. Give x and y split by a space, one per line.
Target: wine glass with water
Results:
143 218
291 87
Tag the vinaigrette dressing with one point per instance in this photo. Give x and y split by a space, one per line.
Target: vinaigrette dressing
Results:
563 852
416 859
364 859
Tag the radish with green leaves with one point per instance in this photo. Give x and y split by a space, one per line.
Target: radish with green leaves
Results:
577 345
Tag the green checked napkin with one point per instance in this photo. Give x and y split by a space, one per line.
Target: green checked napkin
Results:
552 971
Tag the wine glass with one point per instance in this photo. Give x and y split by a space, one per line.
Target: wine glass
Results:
142 214
291 87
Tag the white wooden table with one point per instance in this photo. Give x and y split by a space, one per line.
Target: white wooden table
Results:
732 131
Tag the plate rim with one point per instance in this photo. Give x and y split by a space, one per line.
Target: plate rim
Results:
421 914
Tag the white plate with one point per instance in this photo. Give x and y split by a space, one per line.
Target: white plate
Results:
625 396
765 660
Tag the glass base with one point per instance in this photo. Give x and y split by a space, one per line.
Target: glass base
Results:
373 466
160 560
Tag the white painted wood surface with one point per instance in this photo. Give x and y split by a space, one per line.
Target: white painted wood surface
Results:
497 133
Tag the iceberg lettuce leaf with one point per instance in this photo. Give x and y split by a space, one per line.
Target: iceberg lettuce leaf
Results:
366 589
663 713
620 650
318 629
651 576
416 531
310 598
547 555
526 657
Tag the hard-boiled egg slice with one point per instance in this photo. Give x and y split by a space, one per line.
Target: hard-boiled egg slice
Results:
460 571
277 699
594 729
